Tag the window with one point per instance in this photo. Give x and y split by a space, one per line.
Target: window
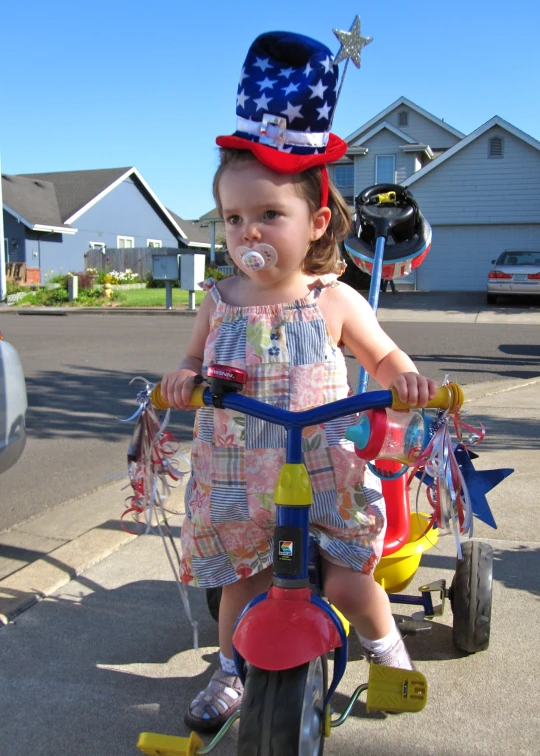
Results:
403 118
385 169
154 243
495 147
97 245
344 181
125 242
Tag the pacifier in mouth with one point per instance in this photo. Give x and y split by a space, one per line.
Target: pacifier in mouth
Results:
258 257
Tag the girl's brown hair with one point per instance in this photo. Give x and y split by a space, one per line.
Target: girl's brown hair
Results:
323 255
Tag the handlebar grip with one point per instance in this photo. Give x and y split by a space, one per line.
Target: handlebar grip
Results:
449 397
159 402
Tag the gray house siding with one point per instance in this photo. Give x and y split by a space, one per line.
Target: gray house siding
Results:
125 211
383 143
14 233
471 188
460 256
421 129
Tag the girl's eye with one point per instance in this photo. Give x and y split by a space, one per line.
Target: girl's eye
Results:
233 219
270 215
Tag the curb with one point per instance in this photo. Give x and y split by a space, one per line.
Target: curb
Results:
58 311
81 550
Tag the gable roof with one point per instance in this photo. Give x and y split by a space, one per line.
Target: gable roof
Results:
197 231
495 121
385 125
78 191
409 104
34 203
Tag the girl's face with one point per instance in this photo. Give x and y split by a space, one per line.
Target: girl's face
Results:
262 206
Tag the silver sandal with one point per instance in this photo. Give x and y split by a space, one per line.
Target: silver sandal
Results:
214 705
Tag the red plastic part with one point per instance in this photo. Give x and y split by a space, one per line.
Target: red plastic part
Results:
378 428
398 515
227 373
285 630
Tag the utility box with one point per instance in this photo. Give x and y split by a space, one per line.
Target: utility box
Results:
192 272
165 267
73 287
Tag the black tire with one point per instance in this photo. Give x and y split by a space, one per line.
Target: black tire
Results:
491 299
213 599
282 712
471 597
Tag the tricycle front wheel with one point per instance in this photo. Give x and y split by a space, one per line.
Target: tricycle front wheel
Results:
470 597
283 712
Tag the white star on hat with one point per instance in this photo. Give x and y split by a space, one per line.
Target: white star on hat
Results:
286 72
324 112
290 88
266 83
327 63
241 98
243 75
292 111
263 64
318 90
262 102
308 70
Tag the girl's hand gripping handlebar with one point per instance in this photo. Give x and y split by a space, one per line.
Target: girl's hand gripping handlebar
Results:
450 397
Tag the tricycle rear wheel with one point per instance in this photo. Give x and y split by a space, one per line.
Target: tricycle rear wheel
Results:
282 712
471 597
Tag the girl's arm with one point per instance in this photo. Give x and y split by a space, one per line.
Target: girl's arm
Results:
375 350
177 385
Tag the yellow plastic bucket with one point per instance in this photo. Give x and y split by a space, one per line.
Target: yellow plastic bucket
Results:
395 572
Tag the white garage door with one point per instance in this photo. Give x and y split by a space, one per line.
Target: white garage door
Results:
460 256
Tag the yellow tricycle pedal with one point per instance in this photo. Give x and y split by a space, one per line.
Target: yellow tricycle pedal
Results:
153 744
391 689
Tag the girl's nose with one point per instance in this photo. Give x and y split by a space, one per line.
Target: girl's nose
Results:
251 232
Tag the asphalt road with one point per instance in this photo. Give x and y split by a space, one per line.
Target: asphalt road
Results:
78 370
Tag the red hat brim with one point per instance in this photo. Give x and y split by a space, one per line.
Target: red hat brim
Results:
286 162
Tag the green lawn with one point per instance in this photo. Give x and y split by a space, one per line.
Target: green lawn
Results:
154 297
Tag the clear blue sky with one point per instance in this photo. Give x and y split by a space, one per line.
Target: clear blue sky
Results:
110 83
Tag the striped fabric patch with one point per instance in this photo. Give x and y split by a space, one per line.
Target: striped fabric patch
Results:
324 510
228 504
213 570
263 435
205 424
306 342
335 429
231 344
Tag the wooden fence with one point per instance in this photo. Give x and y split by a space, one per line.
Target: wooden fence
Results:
137 259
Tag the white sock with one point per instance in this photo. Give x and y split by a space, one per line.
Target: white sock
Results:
227 665
381 645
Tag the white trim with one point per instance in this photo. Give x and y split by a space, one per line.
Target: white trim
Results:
129 172
418 148
377 181
125 238
393 106
380 127
39 227
156 243
495 121
98 245
360 151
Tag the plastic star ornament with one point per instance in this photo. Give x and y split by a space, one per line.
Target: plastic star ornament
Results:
351 43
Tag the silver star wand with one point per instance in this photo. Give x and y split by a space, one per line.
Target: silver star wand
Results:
352 43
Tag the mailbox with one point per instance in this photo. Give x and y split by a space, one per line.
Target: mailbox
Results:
192 271
165 267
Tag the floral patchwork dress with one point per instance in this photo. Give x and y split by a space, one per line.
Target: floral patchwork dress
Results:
292 362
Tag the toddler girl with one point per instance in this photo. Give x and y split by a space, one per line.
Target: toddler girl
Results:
285 319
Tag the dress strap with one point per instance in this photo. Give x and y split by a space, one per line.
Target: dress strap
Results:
328 280
210 286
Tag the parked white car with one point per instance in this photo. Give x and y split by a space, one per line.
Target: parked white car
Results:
13 406
516 272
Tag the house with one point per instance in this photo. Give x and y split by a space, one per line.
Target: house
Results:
480 192
52 219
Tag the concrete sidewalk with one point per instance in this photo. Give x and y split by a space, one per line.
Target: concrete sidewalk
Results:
405 306
106 651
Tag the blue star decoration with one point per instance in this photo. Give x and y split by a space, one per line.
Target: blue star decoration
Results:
479 483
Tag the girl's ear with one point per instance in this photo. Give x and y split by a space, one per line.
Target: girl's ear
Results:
320 222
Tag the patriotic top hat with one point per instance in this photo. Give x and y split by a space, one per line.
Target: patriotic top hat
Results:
285 104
